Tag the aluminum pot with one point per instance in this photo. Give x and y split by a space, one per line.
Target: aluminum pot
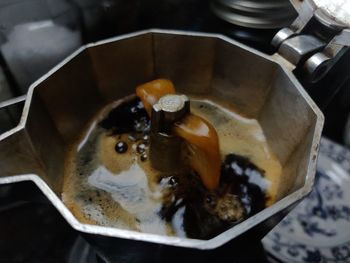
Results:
61 103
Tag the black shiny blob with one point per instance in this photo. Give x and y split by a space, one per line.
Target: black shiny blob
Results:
121 147
141 148
173 181
143 157
130 116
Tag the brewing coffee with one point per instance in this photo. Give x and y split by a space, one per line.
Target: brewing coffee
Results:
110 181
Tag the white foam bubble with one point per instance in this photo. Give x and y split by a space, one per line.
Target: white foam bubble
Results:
87 135
130 189
95 213
177 222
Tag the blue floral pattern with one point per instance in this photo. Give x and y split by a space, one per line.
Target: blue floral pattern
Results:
318 229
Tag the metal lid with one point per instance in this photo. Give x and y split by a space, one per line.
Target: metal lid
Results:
266 14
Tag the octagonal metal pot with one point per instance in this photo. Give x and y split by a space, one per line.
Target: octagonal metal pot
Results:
60 105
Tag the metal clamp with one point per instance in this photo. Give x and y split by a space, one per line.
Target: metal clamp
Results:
314 39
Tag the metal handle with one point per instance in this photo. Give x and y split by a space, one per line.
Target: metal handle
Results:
313 40
10 111
16 151
11 102
12 197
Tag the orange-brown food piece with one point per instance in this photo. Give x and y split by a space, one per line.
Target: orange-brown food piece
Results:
203 148
152 91
201 137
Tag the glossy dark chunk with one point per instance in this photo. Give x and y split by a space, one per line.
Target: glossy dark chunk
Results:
143 157
141 148
128 117
121 147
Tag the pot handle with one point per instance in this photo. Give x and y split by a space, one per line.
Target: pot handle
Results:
16 151
313 42
10 111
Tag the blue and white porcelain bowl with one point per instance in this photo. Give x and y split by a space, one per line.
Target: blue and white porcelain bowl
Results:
318 229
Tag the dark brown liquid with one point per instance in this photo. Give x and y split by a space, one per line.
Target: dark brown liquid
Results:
178 204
